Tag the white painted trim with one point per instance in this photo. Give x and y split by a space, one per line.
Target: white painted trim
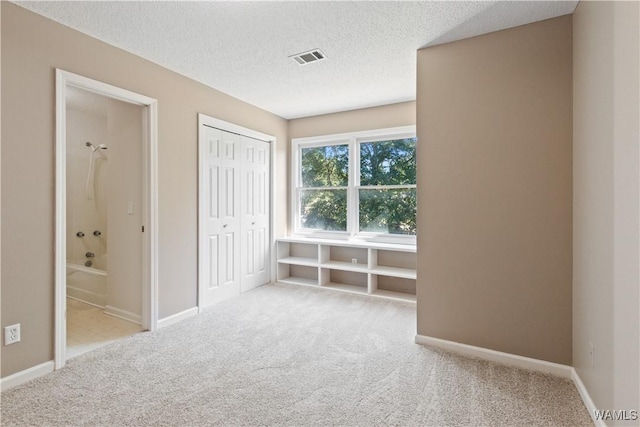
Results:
528 363
233 128
350 243
586 398
60 321
201 215
123 314
203 119
26 375
272 206
150 217
178 317
104 89
149 316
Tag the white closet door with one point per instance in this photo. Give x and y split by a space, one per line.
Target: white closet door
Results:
220 272
254 209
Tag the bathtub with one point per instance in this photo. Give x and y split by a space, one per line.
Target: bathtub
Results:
86 284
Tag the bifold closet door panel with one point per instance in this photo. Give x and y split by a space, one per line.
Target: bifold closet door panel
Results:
222 223
255 212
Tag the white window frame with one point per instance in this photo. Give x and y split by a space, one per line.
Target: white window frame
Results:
352 139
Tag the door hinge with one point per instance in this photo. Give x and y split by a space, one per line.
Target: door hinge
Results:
143 228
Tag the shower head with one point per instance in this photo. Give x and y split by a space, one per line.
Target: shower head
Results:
94 148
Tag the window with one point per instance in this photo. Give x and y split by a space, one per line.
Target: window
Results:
360 185
325 180
387 191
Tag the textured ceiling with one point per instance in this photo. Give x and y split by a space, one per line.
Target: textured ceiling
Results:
243 48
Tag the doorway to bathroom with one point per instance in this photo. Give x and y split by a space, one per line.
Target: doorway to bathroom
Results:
105 215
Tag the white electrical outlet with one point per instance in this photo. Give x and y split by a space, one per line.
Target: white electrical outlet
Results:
12 334
354 260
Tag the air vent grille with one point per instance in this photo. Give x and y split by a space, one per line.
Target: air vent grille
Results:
305 58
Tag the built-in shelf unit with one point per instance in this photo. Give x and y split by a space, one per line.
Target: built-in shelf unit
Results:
376 269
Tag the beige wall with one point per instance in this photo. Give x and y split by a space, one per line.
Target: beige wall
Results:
606 196
32 47
124 186
494 198
386 116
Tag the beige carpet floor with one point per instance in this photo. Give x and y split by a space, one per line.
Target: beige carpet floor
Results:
285 355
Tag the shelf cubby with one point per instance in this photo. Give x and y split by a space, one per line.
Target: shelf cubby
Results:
344 280
297 274
344 258
297 253
396 284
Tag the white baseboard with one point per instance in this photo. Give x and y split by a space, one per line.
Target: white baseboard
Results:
123 314
26 375
531 364
586 398
101 307
175 318
86 297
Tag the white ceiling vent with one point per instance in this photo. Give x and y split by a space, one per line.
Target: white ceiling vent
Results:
305 58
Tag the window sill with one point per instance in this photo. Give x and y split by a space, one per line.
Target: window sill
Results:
349 242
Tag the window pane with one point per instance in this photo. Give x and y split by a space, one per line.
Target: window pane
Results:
324 209
326 166
388 162
390 211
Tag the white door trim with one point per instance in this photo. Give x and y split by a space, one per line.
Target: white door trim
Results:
66 79
203 119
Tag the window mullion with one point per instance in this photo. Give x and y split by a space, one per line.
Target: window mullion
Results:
296 182
356 195
352 202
